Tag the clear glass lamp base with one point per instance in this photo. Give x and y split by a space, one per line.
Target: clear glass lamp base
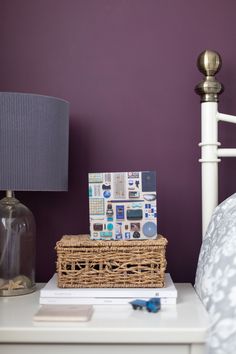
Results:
17 248
14 291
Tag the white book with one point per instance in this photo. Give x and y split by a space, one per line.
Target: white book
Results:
98 300
52 290
68 313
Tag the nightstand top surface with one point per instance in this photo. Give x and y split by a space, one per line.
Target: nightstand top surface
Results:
182 323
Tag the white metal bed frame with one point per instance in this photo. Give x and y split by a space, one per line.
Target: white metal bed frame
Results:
209 63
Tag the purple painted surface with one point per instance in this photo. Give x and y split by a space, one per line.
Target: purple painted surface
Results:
128 67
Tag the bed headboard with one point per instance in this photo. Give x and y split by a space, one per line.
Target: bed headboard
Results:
209 63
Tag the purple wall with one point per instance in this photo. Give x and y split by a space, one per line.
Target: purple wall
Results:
128 69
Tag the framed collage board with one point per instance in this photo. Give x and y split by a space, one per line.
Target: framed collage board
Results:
123 205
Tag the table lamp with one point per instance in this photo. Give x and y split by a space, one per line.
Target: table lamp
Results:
34 134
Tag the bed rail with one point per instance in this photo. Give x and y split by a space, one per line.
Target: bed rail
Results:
209 89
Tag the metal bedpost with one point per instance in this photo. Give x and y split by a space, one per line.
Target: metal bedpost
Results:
209 63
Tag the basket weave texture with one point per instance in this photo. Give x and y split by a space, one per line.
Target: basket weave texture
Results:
85 263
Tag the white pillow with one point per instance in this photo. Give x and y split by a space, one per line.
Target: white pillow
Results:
215 280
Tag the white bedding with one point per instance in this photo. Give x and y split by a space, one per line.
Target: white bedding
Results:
216 278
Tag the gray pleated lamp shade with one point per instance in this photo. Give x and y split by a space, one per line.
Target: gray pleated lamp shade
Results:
34 136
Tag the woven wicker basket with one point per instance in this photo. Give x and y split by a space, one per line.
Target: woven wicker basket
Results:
85 263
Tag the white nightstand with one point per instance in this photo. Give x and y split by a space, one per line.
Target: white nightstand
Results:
179 329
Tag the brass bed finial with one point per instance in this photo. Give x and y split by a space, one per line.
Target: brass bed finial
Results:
209 63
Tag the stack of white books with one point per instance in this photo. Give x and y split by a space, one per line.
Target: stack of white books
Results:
52 294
